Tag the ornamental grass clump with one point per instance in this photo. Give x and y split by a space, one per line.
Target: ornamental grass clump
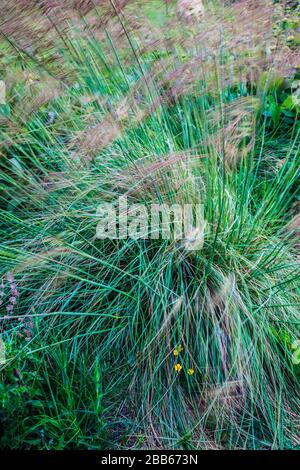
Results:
150 342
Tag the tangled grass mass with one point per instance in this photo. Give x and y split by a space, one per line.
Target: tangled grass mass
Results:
135 343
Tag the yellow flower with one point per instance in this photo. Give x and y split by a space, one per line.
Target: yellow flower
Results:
190 371
178 367
30 78
178 350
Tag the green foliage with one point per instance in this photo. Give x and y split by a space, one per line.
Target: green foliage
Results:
97 368
281 100
51 400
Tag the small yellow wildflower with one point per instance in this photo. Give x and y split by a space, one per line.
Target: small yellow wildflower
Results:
178 350
30 78
178 367
190 371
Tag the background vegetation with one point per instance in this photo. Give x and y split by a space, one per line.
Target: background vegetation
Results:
143 343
